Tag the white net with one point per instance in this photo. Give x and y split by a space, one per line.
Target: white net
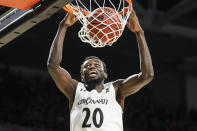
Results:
103 20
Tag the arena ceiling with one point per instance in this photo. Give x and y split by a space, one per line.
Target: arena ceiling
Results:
170 27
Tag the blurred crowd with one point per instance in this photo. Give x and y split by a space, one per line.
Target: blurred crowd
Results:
143 115
31 100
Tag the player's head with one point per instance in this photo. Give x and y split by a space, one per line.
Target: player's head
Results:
93 70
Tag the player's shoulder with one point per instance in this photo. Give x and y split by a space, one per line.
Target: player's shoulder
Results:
75 82
117 83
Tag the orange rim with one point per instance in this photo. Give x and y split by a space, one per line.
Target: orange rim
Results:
127 8
70 9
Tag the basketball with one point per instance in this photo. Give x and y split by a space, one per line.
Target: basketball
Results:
105 25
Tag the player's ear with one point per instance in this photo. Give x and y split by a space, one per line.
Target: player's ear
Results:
82 78
105 75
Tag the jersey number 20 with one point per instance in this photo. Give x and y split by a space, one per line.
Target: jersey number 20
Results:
96 123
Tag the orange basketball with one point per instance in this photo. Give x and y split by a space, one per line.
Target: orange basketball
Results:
105 24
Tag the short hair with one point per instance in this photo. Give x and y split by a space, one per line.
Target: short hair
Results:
93 57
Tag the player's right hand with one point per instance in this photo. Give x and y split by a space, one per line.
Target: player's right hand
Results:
69 20
133 23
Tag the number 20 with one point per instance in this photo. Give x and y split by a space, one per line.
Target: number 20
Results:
97 110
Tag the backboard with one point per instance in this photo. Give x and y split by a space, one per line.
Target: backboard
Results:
14 21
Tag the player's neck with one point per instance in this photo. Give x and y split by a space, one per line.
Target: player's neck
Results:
97 86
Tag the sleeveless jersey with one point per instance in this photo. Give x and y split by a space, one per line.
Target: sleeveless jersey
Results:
93 111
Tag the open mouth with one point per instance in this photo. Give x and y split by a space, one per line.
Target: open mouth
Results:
93 73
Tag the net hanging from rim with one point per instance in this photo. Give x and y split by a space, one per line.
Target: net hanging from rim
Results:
87 9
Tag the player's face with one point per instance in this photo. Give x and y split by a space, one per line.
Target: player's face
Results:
93 71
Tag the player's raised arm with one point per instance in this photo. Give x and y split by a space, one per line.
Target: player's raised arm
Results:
60 76
135 82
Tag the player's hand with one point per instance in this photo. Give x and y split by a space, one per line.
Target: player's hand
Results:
69 20
133 23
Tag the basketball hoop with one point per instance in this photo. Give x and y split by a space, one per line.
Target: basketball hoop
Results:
102 32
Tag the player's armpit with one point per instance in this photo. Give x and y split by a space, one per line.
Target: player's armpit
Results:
64 81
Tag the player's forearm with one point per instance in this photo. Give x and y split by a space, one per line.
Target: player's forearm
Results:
55 54
145 57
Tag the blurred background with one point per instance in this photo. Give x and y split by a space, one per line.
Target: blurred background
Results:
30 101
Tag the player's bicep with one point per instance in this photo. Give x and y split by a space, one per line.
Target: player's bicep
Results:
132 85
64 81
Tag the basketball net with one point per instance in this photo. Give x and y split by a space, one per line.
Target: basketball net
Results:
83 11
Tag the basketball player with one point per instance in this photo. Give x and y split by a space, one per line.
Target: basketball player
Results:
95 105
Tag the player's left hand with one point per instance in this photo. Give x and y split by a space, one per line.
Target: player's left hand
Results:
133 23
69 20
